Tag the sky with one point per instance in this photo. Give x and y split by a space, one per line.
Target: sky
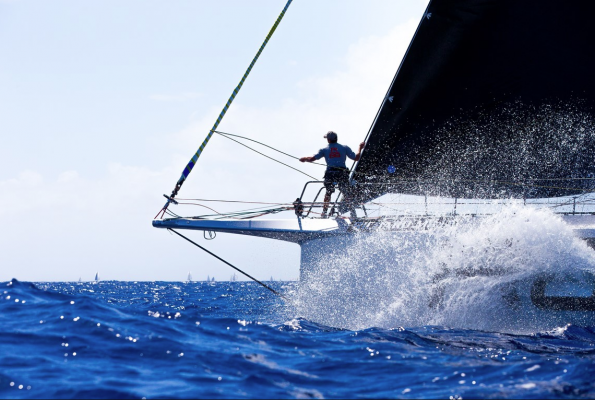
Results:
104 102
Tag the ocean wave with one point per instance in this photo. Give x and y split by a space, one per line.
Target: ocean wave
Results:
234 339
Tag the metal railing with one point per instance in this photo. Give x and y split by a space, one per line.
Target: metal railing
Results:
583 203
299 202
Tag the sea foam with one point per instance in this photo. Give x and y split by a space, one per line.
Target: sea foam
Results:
458 275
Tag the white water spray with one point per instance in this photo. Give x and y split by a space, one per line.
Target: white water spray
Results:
475 273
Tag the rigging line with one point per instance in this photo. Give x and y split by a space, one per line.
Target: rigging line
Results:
561 179
262 154
244 215
272 148
231 265
254 209
236 201
289 206
265 145
201 205
247 216
195 157
248 202
308 203
173 214
489 182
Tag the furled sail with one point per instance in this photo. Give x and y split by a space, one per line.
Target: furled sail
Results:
494 98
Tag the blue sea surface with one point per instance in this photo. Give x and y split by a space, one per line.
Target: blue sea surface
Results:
237 340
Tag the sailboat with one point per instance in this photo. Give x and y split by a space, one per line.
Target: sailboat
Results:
97 277
493 101
189 278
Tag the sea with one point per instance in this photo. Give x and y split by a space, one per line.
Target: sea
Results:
433 316
139 340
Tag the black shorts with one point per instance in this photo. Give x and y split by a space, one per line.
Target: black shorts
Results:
336 176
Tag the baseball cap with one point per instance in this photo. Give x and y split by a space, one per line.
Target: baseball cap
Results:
331 135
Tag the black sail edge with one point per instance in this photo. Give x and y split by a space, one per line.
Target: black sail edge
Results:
493 99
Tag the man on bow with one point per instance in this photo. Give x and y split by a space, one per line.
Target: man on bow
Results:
335 155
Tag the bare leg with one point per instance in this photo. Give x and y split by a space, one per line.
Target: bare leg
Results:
347 201
327 200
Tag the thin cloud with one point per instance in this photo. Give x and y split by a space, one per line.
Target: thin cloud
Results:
176 97
70 214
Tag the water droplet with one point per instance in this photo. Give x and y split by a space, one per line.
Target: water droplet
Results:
11 383
72 302
219 378
20 387
533 368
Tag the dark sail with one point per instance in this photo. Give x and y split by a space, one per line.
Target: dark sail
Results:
494 98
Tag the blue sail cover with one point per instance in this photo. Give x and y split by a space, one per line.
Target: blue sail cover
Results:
494 98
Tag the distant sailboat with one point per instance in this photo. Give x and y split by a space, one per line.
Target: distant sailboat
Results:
189 277
96 276
213 279
233 278
80 279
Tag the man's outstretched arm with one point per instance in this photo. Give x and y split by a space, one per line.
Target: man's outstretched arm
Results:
308 159
359 153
